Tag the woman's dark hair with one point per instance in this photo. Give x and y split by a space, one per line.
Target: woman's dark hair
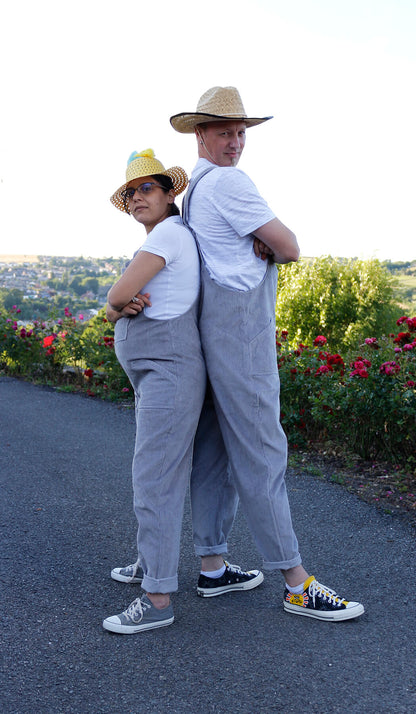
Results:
167 184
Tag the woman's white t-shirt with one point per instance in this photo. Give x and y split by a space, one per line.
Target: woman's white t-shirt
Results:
176 287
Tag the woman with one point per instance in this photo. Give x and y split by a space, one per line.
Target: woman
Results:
158 346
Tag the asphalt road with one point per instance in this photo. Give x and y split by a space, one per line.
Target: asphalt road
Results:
66 519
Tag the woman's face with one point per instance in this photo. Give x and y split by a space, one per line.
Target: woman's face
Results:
150 204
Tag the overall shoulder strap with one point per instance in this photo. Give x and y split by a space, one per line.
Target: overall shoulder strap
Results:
193 182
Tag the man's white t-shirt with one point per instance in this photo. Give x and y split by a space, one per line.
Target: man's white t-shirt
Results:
175 288
225 208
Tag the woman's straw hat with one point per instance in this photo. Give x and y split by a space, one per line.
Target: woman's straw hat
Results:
217 104
145 164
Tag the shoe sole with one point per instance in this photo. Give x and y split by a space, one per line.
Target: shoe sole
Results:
132 629
327 615
213 592
124 578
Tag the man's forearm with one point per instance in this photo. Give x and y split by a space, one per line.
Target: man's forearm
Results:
280 240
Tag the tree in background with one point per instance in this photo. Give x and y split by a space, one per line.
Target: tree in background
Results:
10 297
345 300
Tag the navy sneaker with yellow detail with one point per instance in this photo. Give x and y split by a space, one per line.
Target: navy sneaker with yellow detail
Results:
320 602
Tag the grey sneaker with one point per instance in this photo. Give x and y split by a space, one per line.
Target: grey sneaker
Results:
140 615
129 574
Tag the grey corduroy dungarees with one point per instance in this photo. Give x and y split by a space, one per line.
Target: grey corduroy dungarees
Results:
164 363
237 331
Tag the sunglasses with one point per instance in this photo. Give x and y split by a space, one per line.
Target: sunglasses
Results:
143 189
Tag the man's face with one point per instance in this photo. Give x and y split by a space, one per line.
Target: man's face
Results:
223 142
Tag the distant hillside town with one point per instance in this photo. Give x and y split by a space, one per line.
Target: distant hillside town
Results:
41 284
38 284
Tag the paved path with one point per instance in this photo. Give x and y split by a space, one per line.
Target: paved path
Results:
66 519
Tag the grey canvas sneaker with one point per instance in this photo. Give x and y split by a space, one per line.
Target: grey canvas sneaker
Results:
140 615
129 574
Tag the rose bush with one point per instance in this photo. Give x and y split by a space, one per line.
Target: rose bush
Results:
365 401
64 351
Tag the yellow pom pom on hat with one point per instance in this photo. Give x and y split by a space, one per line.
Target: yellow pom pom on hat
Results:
145 163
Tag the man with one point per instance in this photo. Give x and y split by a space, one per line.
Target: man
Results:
237 325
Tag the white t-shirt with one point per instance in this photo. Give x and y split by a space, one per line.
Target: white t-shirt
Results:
225 207
175 288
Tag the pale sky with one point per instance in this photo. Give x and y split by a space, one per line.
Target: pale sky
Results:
87 82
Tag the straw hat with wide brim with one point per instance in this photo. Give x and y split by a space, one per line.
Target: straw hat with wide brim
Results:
145 164
217 104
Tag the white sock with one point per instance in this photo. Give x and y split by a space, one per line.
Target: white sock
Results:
297 590
214 573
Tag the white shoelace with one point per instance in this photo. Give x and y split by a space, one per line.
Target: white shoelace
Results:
134 568
136 610
316 589
233 568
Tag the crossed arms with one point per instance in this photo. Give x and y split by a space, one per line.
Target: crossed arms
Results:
273 240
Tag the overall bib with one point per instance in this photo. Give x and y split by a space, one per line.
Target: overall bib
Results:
164 363
237 330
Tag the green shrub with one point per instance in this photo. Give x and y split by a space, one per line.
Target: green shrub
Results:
344 300
21 347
